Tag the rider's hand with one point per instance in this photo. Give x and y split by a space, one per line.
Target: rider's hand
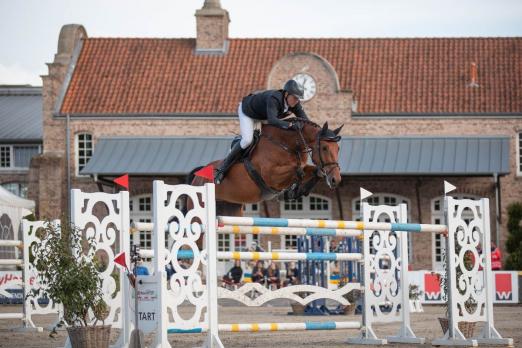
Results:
293 126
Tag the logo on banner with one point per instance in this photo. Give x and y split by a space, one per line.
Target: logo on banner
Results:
504 290
432 290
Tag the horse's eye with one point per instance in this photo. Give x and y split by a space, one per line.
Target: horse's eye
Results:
325 148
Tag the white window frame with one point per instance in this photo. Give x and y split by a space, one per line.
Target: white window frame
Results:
12 155
519 152
77 152
20 187
439 215
137 215
305 213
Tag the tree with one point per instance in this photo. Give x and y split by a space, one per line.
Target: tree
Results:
514 241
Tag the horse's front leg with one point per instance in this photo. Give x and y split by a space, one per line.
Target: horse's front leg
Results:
310 179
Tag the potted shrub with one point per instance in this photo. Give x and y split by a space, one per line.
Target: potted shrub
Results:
466 327
353 297
69 274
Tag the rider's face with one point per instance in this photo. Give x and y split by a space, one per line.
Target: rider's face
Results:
292 100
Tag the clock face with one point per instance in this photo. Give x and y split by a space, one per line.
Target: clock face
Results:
308 84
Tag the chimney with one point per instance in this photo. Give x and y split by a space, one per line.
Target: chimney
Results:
212 28
474 75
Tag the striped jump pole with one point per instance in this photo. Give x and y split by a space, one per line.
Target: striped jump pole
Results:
259 327
269 230
289 231
344 225
235 255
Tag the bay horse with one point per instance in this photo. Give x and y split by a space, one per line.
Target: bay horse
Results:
279 163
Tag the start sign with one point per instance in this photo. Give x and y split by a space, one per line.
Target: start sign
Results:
148 302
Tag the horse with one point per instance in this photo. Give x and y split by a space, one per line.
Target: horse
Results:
278 163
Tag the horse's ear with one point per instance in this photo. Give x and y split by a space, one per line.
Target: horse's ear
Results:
325 128
338 130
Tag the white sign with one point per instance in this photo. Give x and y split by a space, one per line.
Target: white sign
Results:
148 302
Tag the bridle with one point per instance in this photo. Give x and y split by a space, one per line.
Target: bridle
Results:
322 166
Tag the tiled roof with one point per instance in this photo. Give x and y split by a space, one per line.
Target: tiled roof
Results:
165 76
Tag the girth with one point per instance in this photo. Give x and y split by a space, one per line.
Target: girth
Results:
267 192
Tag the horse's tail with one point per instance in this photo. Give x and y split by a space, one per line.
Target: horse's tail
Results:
190 177
189 180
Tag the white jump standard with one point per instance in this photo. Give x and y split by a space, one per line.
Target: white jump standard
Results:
195 283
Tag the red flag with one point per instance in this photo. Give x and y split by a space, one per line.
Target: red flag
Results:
123 181
120 260
206 172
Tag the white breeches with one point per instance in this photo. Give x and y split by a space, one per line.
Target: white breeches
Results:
246 127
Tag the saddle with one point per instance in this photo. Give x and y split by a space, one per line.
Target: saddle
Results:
267 192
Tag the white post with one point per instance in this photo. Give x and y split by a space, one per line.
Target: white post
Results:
127 326
158 245
489 334
213 339
406 334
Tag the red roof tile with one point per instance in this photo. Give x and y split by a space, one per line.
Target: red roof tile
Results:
119 75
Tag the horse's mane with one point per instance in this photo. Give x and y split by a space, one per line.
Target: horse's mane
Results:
302 120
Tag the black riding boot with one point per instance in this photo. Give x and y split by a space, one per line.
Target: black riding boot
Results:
232 157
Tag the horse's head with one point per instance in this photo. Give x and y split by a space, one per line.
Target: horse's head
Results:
325 154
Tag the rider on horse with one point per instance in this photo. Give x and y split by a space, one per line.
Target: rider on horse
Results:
270 105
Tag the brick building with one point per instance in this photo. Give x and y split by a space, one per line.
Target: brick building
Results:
416 112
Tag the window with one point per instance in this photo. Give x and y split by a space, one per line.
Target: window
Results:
311 207
294 205
519 155
83 150
23 155
17 156
223 242
19 189
319 204
144 203
140 211
145 237
5 156
252 210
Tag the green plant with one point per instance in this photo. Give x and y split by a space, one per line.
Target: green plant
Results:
470 305
68 271
514 241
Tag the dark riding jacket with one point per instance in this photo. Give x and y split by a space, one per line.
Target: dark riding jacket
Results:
270 105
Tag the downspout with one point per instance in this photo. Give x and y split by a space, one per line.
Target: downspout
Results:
497 210
417 193
339 203
68 159
419 214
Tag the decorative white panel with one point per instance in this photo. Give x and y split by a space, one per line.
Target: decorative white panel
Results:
255 294
112 236
184 229
382 267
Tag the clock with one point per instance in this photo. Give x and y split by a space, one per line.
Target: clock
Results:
308 84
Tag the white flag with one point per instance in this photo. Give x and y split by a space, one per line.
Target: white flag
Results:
448 187
365 194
